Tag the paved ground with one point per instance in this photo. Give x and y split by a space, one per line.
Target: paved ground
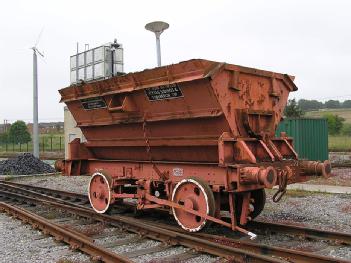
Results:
335 189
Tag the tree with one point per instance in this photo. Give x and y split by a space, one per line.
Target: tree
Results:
346 129
307 105
58 127
293 110
332 104
346 104
335 123
4 137
18 133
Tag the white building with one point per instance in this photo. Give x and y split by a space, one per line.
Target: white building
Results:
71 130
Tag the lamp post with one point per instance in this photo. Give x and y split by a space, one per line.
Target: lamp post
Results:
157 27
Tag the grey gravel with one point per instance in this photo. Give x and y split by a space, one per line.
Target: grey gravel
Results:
319 210
340 157
345 252
20 243
159 256
135 246
77 184
316 210
114 238
203 258
24 164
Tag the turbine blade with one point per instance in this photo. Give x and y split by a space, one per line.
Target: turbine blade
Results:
38 39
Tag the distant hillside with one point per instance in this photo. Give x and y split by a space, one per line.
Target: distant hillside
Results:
345 113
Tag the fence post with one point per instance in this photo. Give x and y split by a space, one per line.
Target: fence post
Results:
20 147
60 143
51 144
27 147
43 144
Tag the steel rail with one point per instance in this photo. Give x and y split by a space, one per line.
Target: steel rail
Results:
343 238
341 165
278 252
154 232
340 237
18 189
294 255
62 234
48 191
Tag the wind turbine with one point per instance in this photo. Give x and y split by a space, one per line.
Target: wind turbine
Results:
35 98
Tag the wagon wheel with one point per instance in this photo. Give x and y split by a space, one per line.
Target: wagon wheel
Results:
259 197
260 200
195 194
99 192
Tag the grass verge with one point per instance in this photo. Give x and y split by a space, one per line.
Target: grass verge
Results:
339 143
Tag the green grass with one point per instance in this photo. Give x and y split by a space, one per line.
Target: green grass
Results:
345 113
339 143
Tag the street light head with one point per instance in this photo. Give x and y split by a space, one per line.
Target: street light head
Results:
157 26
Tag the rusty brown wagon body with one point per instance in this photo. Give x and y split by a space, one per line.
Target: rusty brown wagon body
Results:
197 137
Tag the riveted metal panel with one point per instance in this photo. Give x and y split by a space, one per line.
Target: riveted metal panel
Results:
310 137
191 105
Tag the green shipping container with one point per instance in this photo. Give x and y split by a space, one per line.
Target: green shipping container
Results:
310 137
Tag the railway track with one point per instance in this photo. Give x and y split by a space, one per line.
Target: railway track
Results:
143 231
73 238
341 165
83 201
204 243
307 232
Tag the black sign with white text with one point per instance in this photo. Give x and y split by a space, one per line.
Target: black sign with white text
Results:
165 92
93 103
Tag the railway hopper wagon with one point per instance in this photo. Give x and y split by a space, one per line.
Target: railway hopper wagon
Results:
197 138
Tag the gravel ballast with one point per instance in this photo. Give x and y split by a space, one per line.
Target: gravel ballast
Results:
76 184
340 177
24 164
20 243
310 209
319 210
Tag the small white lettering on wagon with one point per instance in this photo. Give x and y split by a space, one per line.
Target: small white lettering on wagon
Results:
178 171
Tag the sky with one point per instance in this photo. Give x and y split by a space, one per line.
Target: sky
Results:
308 39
